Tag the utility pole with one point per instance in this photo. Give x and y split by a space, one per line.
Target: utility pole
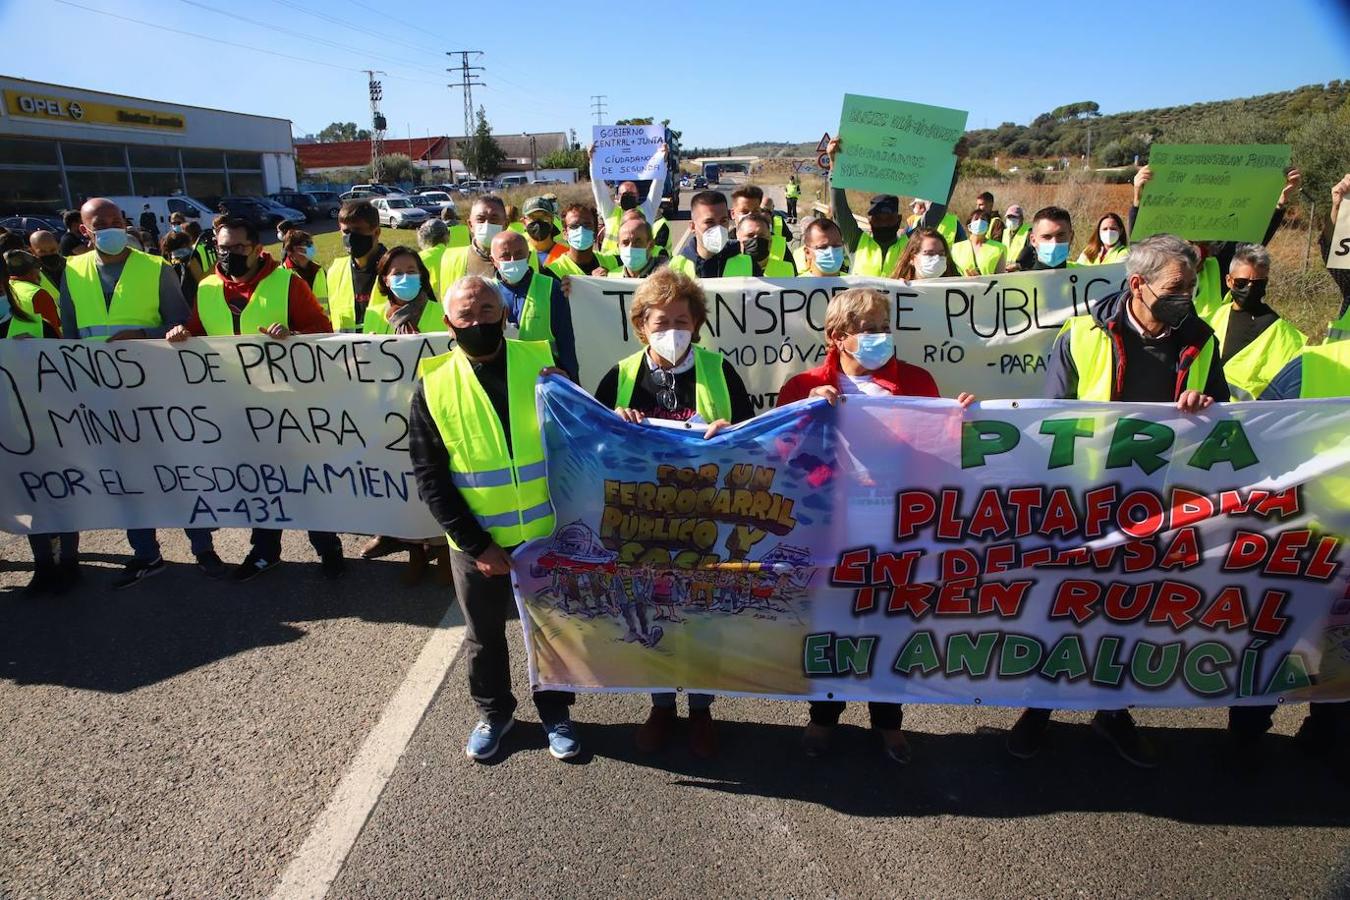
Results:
534 157
377 125
598 107
1089 153
469 80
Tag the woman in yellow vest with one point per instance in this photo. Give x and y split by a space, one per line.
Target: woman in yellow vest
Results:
402 301
300 256
1109 243
978 254
671 377
925 256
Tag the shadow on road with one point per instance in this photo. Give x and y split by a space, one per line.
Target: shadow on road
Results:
100 640
969 774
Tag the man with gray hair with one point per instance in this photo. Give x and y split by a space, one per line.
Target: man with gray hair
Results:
489 496
1144 344
1254 342
431 243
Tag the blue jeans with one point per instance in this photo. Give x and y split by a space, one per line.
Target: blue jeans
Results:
145 544
697 702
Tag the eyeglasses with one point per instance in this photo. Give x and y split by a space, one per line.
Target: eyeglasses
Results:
234 248
665 383
1243 283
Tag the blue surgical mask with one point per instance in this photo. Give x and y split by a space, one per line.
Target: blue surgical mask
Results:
874 350
1052 254
979 226
405 287
310 251
580 237
829 259
634 258
111 241
512 270
175 228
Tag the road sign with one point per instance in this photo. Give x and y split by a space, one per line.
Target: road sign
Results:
824 143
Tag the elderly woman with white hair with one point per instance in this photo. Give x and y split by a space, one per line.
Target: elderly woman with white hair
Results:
1145 344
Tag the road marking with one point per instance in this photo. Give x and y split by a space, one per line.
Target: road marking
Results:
317 863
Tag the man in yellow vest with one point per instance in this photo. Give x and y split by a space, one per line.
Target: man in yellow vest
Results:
249 293
706 255
1315 373
756 260
1048 243
580 257
749 199
1144 344
626 197
458 233
432 237
822 252
487 219
534 303
477 453
793 192
118 294
876 251
984 202
541 232
351 278
47 249
1255 343
1016 231
638 253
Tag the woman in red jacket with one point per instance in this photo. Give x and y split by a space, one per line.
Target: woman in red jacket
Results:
861 360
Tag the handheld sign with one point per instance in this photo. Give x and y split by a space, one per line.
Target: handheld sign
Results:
896 147
627 152
1339 257
1211 192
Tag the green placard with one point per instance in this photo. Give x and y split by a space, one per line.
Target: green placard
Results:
897 147
1212 192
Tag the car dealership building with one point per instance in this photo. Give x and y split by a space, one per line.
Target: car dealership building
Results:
60 145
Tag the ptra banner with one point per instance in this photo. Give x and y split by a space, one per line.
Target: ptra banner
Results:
1062 554
990 335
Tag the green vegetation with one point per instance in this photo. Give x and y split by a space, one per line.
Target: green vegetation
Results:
343 131
483 156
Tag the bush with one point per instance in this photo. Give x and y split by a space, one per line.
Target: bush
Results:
975 168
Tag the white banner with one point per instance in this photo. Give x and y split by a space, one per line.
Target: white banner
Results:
627 152
990 336
309 432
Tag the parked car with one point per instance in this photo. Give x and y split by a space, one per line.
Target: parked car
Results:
700 181
383 190
434 202
510 181
27 224
282 213
298 201
164 206
399 212
357 195
252 209
326 203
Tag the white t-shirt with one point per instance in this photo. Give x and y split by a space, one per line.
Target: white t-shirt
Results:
861 384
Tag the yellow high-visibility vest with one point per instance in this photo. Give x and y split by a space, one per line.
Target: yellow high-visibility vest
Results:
1094 356
712 397
269 304
134 303
1252 368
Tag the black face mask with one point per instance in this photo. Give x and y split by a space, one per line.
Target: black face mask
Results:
53 263
628 201
885 233
358 244
756 248
1172 309
235 265
482 339
539 230
1252 297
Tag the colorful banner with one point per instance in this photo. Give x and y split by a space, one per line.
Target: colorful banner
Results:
1211 192
221 432
897 147
990 336
1060 554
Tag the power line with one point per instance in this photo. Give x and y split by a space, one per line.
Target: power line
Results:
468 79
598 107
221 41
364 30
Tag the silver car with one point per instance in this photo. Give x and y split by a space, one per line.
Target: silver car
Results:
398 212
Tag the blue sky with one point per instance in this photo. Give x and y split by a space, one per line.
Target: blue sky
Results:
723 74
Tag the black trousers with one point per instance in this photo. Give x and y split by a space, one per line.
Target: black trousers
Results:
268 542
487 603
884 715
1250 721
792 207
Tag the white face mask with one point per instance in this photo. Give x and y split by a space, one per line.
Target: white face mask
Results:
1109 236
931 265
715 239
484 232
671 344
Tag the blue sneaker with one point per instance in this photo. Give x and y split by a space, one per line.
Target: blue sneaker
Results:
485 738
562 739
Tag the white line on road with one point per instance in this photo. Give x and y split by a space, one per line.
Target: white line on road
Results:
311 871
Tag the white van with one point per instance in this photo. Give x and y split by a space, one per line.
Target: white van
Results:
510 181
163 207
